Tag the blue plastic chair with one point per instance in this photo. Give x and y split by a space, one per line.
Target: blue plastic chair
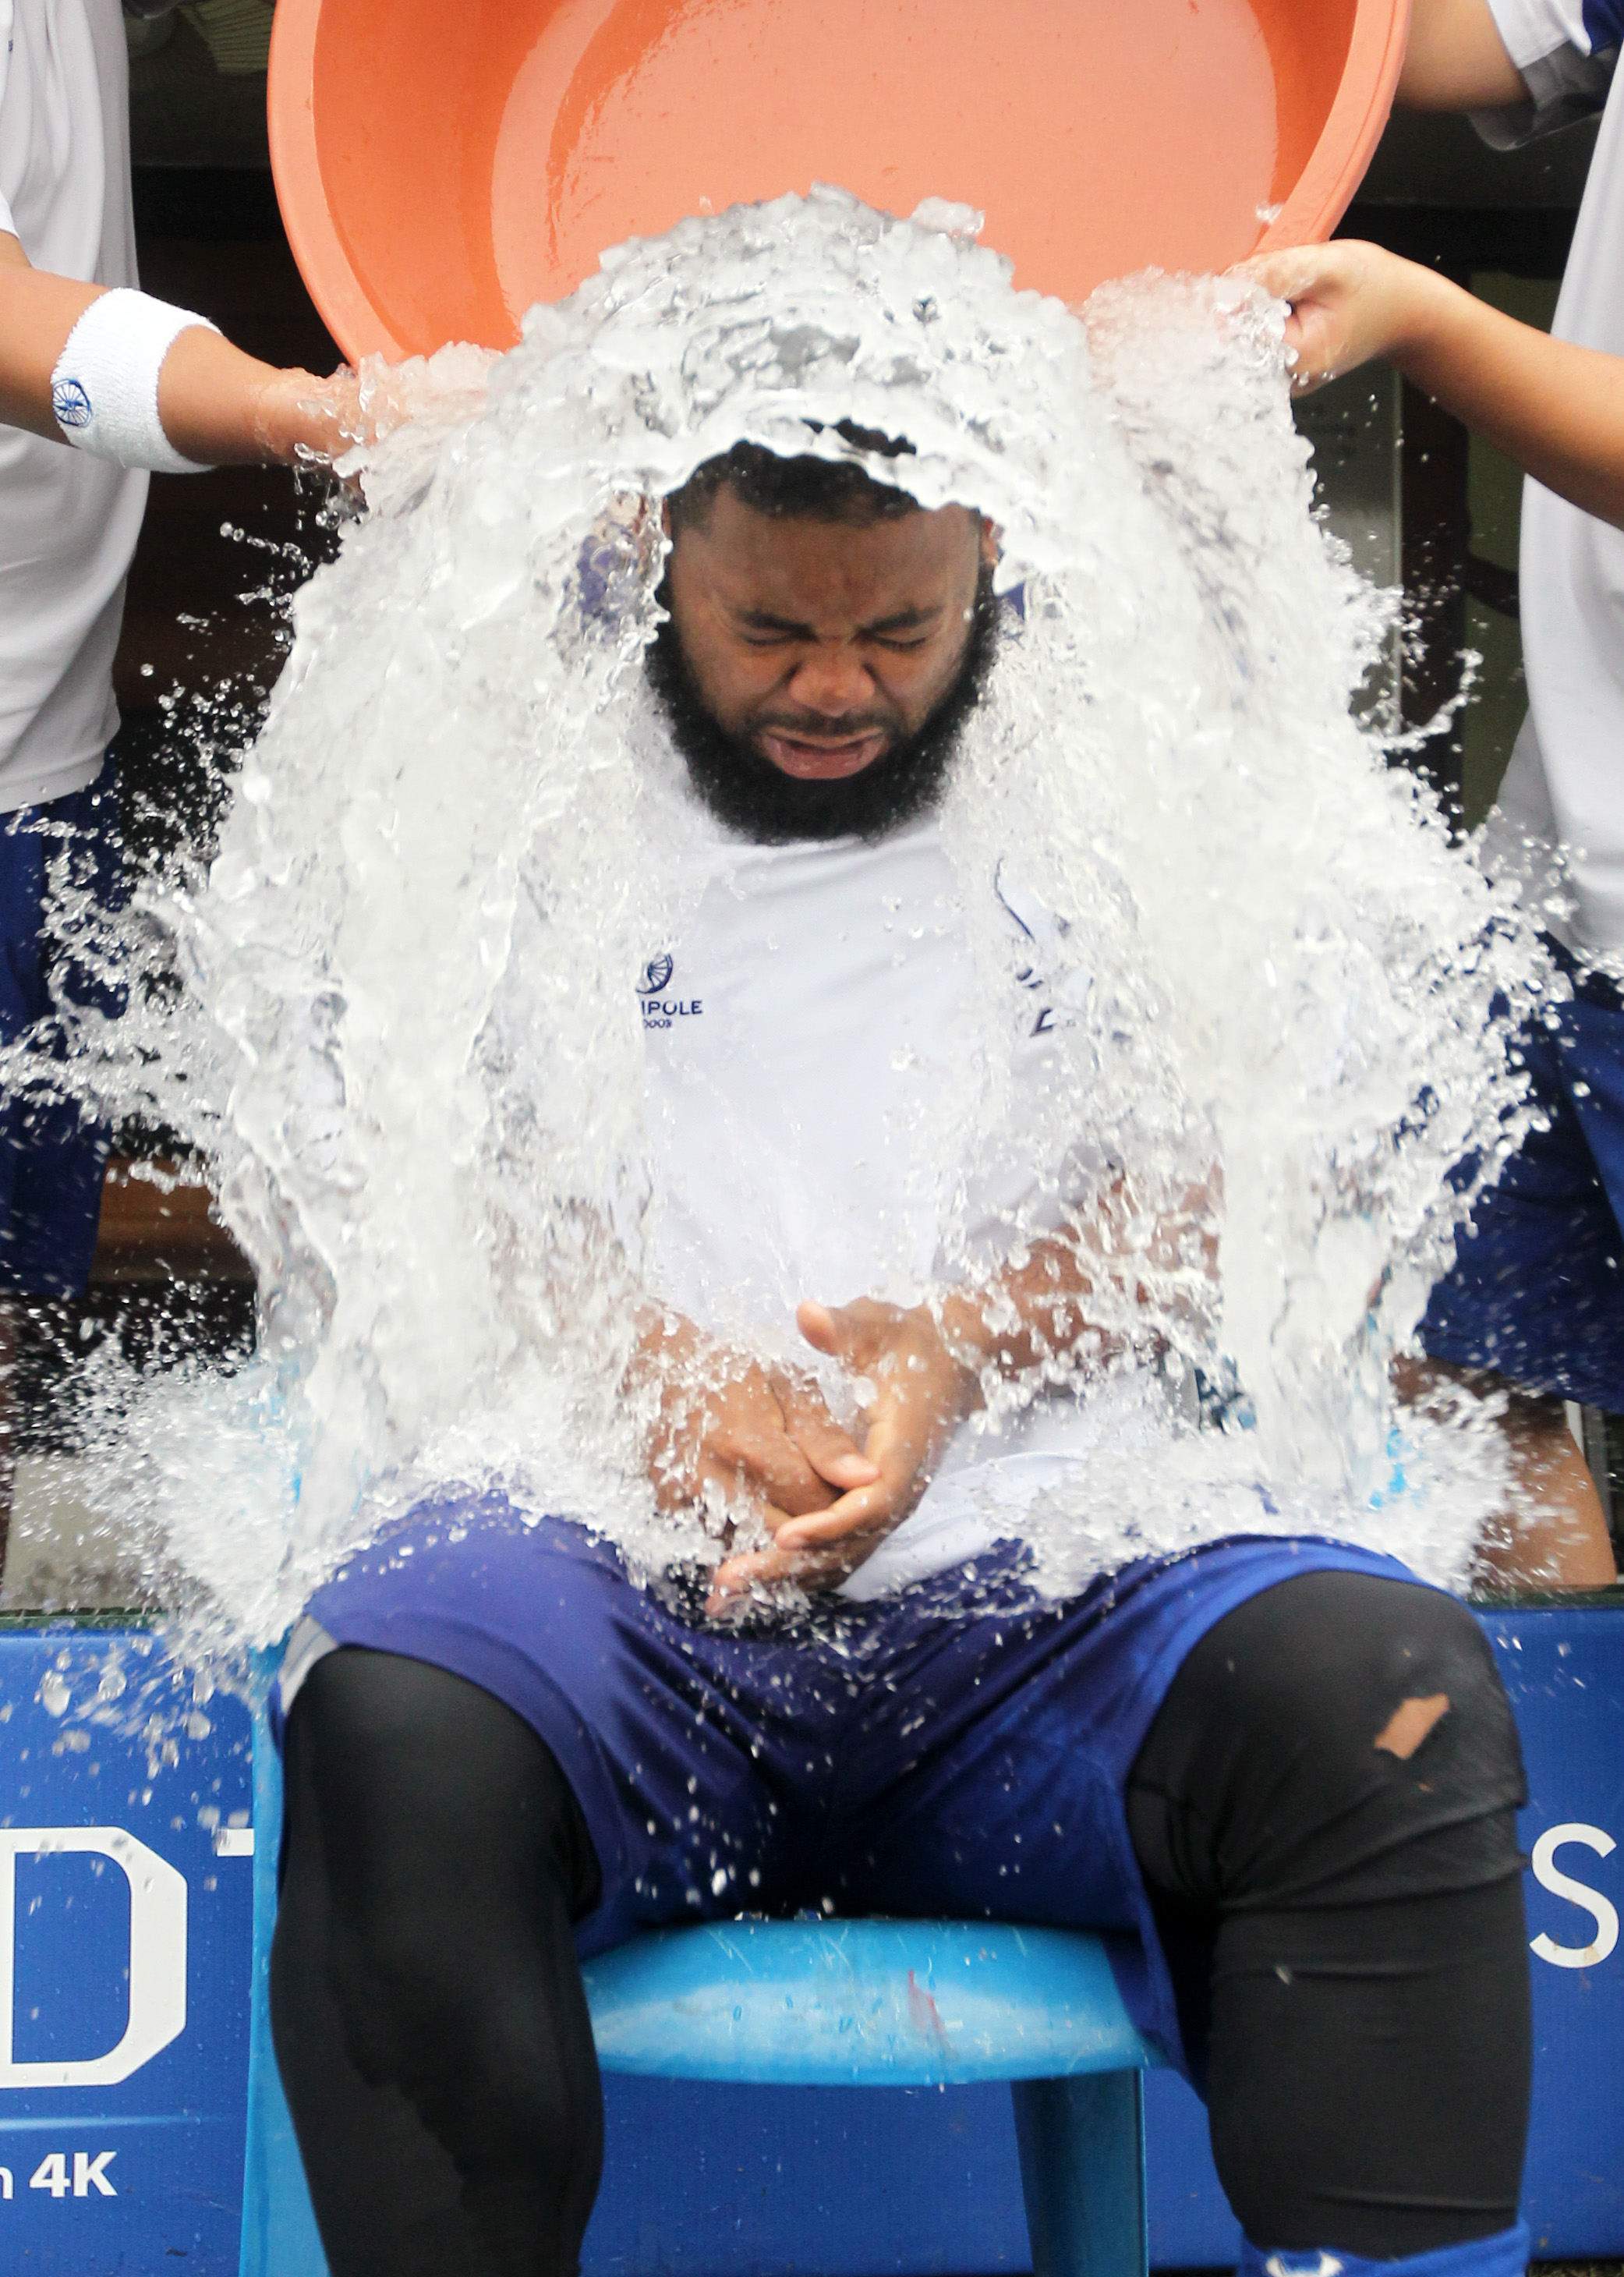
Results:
912 2003
813 2003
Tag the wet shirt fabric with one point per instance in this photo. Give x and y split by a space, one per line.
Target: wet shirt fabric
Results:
68 523
1564 788
813 1083
802 1042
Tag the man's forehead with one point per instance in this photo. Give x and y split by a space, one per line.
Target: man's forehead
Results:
788 563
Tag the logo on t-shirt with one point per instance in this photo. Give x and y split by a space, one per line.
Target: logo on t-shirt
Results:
659 1009
70 403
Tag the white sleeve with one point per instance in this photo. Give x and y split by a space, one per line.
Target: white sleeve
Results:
1566 51
6 10
1533 29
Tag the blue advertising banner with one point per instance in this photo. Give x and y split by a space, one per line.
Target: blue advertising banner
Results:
1565 1671
126 1926
126 1839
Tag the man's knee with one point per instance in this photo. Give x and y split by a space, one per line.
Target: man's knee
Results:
419 1785
1345 1673
432 1832
1340 1736
430 2021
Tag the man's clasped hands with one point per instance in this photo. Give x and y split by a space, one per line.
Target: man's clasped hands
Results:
756 1444
746 1438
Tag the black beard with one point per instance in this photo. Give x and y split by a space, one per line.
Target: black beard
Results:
748 795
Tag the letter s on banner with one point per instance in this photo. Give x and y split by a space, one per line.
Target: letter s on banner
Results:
1577 1894
157 1953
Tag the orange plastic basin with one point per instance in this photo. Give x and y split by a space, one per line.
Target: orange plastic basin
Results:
442 168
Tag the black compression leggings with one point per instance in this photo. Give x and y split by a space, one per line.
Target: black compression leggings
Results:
430 2024
1344 1921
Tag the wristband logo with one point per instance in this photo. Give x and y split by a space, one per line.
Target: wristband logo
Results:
70 405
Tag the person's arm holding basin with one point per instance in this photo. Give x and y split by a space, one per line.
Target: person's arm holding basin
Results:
163 370
1554 408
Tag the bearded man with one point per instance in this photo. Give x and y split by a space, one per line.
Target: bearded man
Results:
1285 1767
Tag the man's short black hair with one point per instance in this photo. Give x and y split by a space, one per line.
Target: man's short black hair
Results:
809 489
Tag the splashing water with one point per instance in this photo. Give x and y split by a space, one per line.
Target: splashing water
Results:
406 1042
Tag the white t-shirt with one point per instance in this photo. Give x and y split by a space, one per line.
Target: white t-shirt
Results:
1564 788
68 523
812 1086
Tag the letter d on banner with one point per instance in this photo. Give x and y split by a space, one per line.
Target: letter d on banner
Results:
157 1953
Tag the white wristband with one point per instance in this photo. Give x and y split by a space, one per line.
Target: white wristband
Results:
104 389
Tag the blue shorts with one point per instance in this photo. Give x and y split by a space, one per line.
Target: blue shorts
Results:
52 1160
1537 1290
958 1751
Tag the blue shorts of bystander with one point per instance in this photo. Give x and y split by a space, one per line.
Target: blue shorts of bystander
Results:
51 1160
1537 1291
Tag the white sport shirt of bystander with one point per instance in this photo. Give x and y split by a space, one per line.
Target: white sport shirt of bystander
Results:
1564 788
68 523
